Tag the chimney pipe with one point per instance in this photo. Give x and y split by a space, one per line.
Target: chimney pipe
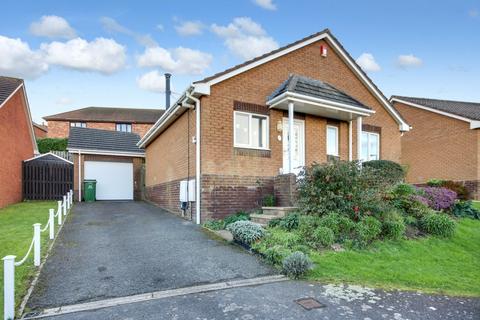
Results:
168 92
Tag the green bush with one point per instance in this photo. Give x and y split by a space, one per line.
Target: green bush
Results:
324 236
367 230
214 224
268 200
46 145
274 222
339 186
290 222
306 226
438 225
435 182
246 232
345 226
393 226
465 209
296 264
239 216
276 254
386 171
415 208
403 190
331 221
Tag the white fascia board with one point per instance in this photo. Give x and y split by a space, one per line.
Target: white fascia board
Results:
473 123
48 153
107 153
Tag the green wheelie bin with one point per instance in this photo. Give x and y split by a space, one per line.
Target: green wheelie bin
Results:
90 189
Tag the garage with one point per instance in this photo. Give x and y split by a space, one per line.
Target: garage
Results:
114 179
111 158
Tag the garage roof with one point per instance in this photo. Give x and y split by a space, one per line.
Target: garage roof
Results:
104 141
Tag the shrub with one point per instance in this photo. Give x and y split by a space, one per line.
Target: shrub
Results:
402 190
214 224
439 198
339 186
393 226
386 171
323 236
239 216
435 182
465 209
274 222
296 264
415 206
290 222
275 255
330 221
462 192
367 230
268 200
46 145
246 232
306 227
438 225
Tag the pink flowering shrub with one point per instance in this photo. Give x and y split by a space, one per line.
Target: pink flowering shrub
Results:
437 198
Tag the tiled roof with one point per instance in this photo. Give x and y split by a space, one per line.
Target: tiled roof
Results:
40 126
105 140
104 114
8 86
470 110
316 89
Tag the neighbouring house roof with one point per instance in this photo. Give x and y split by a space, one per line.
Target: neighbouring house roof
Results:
316 89
40 126
7 87
89 140
469 110
109 114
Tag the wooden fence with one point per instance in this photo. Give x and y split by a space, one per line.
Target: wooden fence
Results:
46 180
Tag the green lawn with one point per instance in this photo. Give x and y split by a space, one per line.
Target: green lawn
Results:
449 266
476 204
16 232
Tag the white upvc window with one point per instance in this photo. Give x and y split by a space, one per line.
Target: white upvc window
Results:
250 130
370 146
332 141
124 127
78 124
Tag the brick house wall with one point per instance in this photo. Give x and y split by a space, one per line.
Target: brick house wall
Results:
61 129
137 171
439 147
230 175
16 142
39 133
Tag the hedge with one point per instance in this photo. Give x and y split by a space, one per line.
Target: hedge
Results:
52 144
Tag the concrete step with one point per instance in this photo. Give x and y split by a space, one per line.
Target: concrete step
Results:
262 219
279 212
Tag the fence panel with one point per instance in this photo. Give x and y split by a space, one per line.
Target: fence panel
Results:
46 180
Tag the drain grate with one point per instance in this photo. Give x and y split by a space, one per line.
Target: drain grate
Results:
310 303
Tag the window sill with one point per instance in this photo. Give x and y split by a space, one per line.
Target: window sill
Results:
252 152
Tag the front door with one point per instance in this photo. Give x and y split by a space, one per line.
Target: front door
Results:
298 145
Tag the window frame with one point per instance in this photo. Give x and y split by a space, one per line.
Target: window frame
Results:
123 124
73 124
250 133
369 133
337 147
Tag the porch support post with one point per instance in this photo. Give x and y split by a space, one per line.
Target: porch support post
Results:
359 138
350 142
79 176
290 135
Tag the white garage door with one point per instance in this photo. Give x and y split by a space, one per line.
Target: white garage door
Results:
114 179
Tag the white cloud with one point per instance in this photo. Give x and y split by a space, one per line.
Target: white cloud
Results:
63 101
101 55
409 61
189 28
367 62
18 60
179 60
266 4
473 13
52 27
152 81
245 38
160 27
112 26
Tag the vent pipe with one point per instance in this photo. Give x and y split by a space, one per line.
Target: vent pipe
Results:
168 92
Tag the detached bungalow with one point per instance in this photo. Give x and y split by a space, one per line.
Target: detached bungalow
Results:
244 133
444 142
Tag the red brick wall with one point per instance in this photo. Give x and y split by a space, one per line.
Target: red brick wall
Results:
58 129
285 190
16 142
61 129
39 133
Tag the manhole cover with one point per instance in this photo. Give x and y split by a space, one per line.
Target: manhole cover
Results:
310 303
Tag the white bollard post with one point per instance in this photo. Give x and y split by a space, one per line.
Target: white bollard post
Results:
36 244
51 221
71 197
8 287
59 212
64 205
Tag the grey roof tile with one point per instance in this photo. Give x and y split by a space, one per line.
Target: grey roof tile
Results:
470 110
109 114
105 140
316 89
8 86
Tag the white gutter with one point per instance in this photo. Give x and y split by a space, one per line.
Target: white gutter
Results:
197 156
107 153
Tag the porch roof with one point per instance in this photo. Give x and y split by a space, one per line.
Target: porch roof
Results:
317 97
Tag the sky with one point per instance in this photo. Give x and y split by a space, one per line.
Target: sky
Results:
74 54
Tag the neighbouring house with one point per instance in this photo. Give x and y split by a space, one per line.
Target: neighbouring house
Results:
40 130
16 138
444 142
226 141
134 120
112 158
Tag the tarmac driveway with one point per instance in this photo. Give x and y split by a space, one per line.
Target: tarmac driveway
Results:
114 249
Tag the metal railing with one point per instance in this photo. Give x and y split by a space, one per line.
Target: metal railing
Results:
10 264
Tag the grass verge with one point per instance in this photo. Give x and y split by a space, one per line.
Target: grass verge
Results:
16 232
432 265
